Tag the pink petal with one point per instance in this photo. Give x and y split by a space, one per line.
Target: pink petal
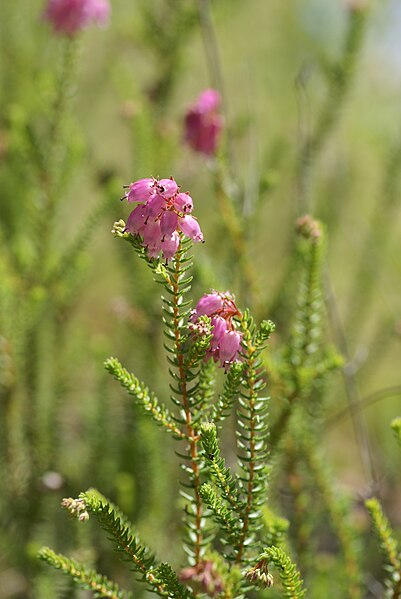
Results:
170 245
168 222
208 101
209 304
229 346
155 204
136 219
151 234
141 190
219 329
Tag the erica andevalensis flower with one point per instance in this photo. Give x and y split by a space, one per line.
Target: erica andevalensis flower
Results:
204 577
225 344
162 212
203 123
68 17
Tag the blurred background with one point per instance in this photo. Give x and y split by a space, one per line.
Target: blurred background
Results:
312 124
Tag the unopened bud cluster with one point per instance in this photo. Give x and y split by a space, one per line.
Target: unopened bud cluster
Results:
162 212
308 227
260 575
76 507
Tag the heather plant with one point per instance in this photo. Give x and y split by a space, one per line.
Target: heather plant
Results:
232 543
216 331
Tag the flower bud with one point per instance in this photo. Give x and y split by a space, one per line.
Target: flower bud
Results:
203 123
68 17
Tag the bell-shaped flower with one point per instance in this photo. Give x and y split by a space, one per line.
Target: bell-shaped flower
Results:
141 190
154 250
168 187
136 220
151 233
210 303
168 222
183 203
190 227
155 204
218 331
203 123
229 347
169 245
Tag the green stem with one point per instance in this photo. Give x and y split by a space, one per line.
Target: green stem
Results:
250 375
49 178
192 437
341 78
341 528
236 227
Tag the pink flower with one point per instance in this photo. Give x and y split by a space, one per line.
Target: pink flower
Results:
152 236
161 213
136 220
190 227
208 101
203 123
209 304
203 578
229 346
219 329
68 17
170 245
168 187
225 344
183 203
155 204
140 191
168 222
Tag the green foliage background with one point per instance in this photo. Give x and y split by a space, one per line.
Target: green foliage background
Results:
70 296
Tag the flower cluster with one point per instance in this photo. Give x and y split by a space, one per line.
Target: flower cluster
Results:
161 213
226 341
76 507
203 123
205 577
309 228
68 17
